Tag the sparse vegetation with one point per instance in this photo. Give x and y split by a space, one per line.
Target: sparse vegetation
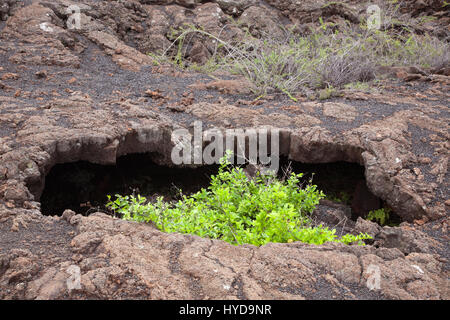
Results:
341 197
325 58
327 93
239 210
358 86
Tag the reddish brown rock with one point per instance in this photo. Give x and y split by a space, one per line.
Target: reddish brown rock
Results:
398 136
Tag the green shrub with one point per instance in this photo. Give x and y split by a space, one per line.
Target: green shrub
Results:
238 210
327 93
381 216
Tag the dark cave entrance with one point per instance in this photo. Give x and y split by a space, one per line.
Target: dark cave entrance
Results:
342 182
83 187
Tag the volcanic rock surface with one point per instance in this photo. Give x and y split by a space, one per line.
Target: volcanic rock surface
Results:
93 94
